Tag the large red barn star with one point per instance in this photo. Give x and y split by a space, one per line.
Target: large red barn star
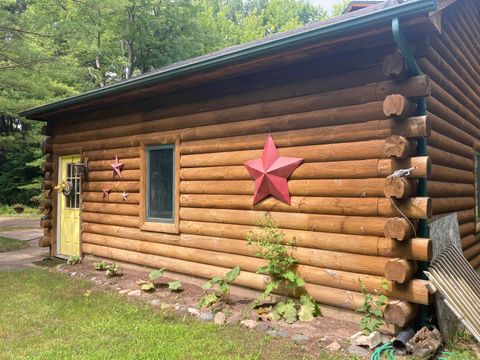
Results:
271 172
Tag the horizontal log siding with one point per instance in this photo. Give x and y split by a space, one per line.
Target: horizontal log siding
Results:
339 210
454 111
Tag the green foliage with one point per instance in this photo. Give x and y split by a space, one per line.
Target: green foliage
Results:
175 285
73 260
149 285
101 266
372 309
340 7
112 270
223 284
304 310
269 243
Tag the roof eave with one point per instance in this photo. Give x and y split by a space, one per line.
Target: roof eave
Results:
410 8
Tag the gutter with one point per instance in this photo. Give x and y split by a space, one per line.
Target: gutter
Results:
410 8
413 69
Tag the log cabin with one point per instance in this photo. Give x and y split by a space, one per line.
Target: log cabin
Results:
382 106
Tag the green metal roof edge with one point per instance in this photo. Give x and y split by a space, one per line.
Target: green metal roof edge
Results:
335 29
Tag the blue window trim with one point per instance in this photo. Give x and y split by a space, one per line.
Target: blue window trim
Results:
147 208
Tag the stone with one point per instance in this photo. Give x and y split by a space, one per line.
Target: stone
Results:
372 340
262 326
193 311
250 324
180 308
234 319
358 351
118 288
334 347
323 339
135 293
219 318
73 273
93 278
299 338
425 343
124 291
156 302
277 333
206 316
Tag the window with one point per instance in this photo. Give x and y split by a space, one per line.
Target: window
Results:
72 200
160 183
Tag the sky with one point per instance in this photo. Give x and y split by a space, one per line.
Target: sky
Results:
326 4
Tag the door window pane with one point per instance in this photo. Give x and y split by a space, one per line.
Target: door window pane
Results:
160 183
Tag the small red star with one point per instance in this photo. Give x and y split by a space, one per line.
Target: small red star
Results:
106 192
117 167
271 172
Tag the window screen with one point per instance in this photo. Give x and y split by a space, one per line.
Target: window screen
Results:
160 183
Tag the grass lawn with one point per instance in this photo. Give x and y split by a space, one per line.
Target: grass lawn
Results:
7 244
47 315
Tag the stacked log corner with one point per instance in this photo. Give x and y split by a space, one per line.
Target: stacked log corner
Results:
46 206
343 226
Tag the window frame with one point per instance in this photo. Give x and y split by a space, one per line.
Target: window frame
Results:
153 224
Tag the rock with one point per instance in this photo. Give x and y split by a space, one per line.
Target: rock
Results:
334 347
277 333
118 288
219 318
124 291
425 343
248 323
262 326
180 308
193 311
234 319
206 316
323 339
93 278
372 340
358 351
73 273
135 293
156 302
299 338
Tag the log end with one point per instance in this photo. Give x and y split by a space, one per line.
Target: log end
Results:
399 147
45 241
400 270
399 187
398 106
399 312
398 228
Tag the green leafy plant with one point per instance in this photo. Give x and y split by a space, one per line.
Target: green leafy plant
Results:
270 245
149 285
73 260
175 285
100 266
112 270
223 284
304 310
372 308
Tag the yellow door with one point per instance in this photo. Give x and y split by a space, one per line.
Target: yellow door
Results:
69 208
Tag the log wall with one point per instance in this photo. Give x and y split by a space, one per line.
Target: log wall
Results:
454 110
353 125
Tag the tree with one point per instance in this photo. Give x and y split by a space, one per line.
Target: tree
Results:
340 7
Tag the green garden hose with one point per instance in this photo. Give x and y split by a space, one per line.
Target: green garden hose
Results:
386 349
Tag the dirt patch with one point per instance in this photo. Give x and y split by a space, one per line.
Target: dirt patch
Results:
315 335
